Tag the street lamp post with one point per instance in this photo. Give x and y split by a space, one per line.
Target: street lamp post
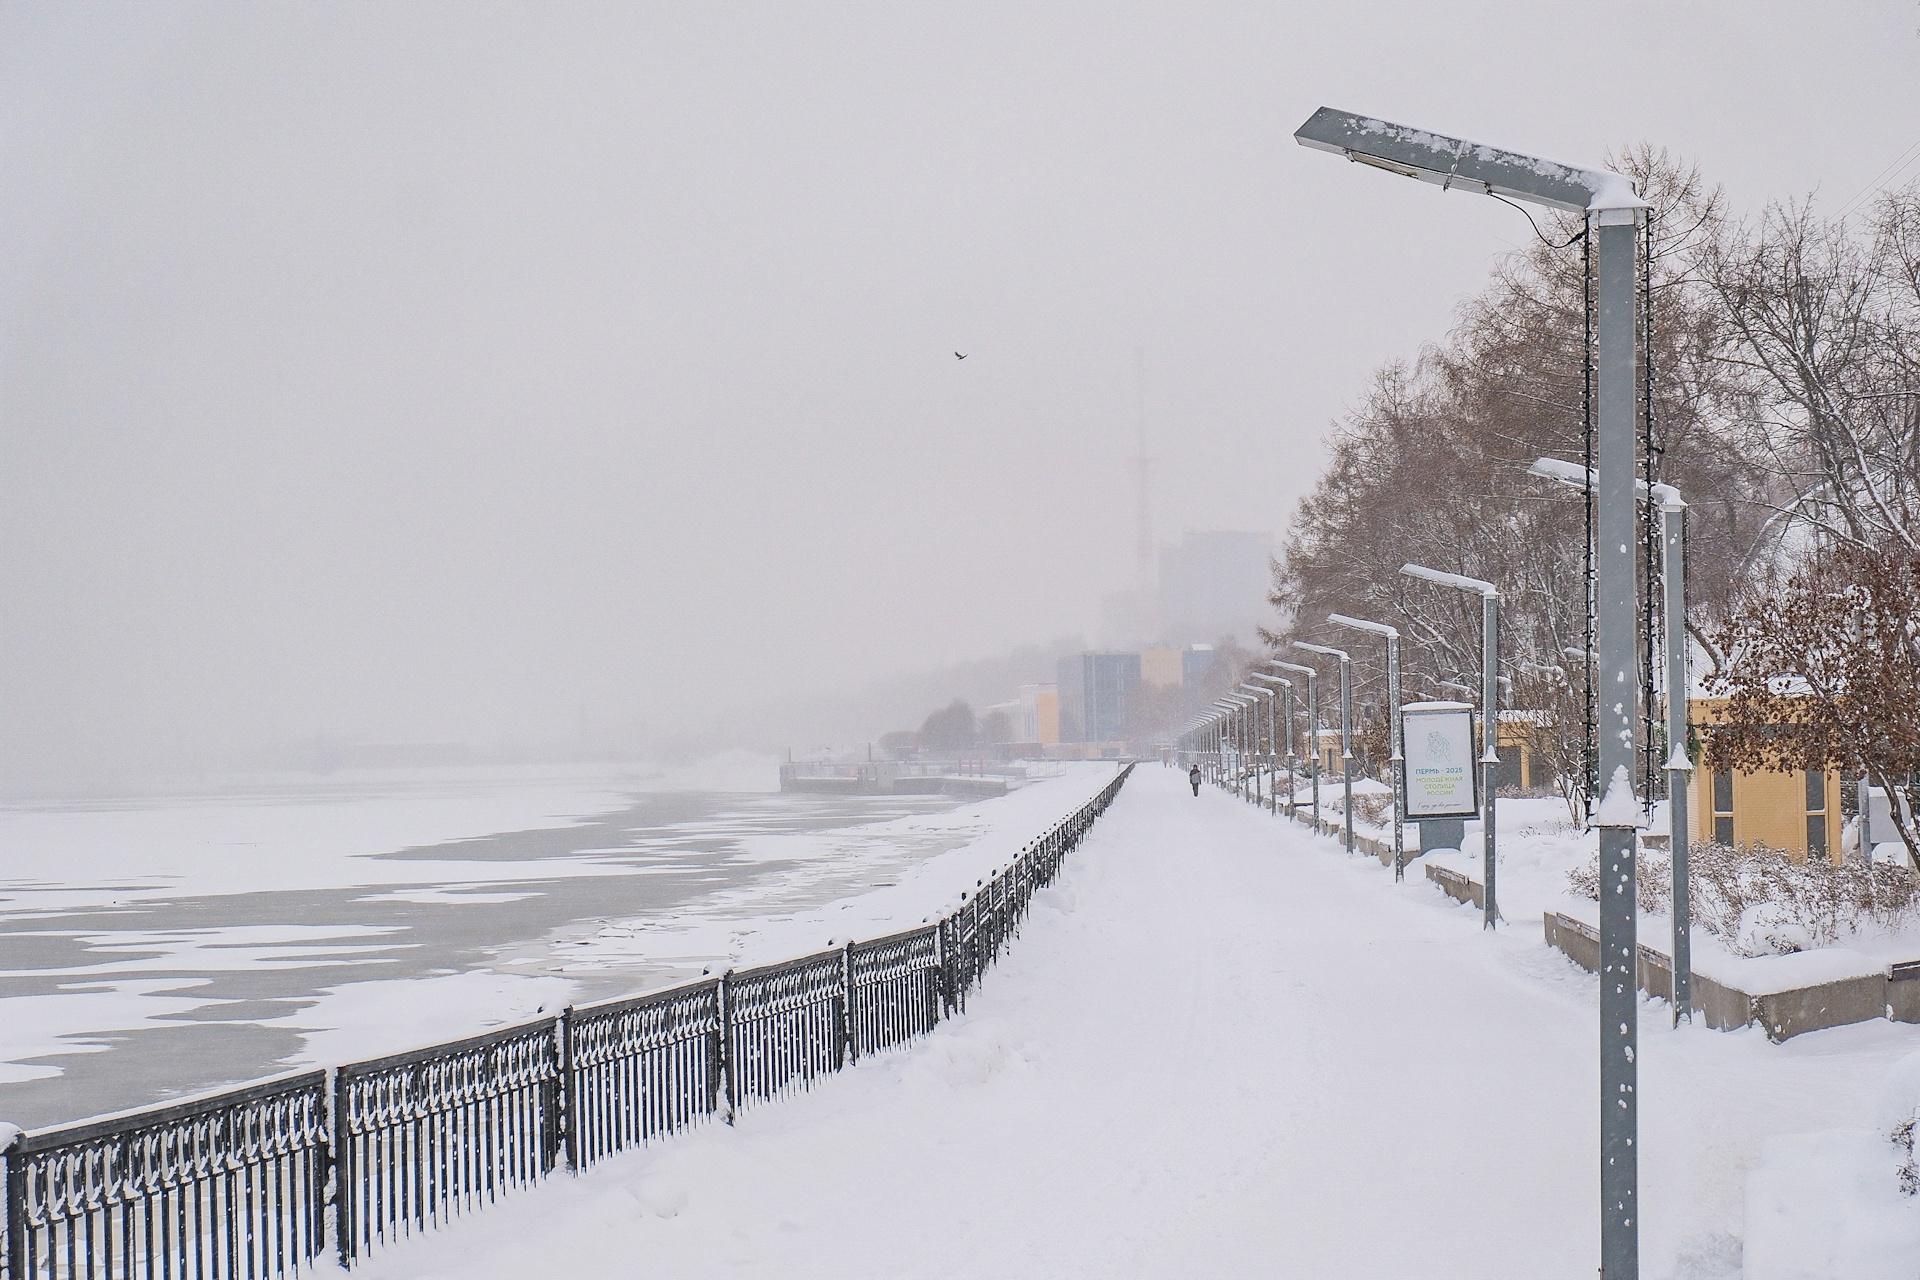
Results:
1293 750
1220 751
1223 735
1254 690
1221 776
1673 572
1346 725
1615 217
1250 739
1489 715
1236 705
1286 694
1313 727
1242 703
1394 757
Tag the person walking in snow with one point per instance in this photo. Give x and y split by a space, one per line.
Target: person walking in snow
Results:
1193 776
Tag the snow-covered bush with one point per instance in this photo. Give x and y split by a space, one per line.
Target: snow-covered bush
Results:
1376 810
1759 901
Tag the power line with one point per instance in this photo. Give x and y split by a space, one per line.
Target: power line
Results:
1880 179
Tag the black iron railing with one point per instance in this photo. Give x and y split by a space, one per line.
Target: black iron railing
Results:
229 1186
895 989
419 1137
265 1180
641 1068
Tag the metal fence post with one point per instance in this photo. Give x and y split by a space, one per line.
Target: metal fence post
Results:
845 1050
729 1090
552 1103
568 1088
942 978
16 1219
340 1157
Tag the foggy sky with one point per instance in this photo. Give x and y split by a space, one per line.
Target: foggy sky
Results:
407 371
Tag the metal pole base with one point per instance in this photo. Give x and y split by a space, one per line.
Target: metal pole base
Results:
1619 1072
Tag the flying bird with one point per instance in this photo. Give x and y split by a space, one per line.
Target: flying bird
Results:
958 356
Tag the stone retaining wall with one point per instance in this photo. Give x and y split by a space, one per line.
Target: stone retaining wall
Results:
1893 994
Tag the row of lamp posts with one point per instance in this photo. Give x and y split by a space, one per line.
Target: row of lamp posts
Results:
1615 218
1234 721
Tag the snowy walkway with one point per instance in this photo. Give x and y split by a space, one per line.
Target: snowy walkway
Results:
1221 1048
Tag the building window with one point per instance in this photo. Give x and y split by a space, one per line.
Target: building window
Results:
1722 806
1816 812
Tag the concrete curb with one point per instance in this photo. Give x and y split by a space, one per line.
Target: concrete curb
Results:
1893 995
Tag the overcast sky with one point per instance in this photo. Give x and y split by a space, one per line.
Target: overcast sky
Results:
420 371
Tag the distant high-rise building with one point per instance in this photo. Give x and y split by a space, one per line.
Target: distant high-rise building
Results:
1214 583
1196 660
1096 690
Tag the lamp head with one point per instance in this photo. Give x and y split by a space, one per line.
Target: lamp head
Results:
1446 579
1450 163
1575 476
1361 624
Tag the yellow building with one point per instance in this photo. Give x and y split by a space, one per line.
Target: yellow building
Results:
1040 714
1795 811
1520 762
1329 750
1046 711
1163 667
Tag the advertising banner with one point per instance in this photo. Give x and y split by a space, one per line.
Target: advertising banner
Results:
1442 772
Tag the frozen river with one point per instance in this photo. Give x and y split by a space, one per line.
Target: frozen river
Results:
157 947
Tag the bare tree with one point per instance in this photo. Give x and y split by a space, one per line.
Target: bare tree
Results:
1822 330
1431 467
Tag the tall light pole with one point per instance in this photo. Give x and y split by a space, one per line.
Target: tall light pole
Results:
1346 724
1615 217
1231 741
1489 715
1255 691
1241 704
1394 758
1673 572
1225 739
1216 743
1286 694
1313 726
